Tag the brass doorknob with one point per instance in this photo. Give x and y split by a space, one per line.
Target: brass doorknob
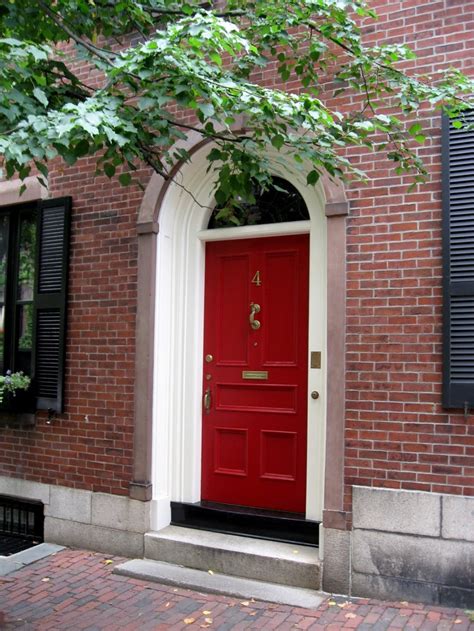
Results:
315 394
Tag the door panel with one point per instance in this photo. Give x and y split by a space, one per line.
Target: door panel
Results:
232 283
280 334
255 375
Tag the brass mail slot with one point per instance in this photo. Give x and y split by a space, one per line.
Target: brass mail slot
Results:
254 374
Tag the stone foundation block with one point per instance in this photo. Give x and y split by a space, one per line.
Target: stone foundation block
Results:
458 517
337 561
71 504
25 489
98 538
411 512
449 563
120 513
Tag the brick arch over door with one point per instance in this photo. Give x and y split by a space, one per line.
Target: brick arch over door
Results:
148 225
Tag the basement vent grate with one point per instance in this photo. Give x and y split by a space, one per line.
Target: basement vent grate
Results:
21 524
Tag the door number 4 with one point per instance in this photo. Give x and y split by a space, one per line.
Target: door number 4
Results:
256 279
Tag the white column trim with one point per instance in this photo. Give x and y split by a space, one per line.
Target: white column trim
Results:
255 232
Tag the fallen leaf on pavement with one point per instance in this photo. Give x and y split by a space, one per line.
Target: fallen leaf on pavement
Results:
210 572
108 561
206 613
208 620
45 580
189 620
245 603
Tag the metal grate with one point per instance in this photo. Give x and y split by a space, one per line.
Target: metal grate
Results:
21 524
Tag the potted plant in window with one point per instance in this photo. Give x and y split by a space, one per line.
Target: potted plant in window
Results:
10 384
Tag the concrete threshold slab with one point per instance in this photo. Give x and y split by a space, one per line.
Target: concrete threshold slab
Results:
233 543
243 557
20 559
225 585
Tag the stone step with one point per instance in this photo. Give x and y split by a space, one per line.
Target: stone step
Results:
245 557
201 581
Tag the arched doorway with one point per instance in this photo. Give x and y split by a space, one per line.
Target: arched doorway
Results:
182 238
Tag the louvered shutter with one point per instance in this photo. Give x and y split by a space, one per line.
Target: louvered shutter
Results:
50 302
458 249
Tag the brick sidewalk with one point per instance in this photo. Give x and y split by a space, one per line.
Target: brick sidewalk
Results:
76 590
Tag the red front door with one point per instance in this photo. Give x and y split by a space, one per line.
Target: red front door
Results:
255 373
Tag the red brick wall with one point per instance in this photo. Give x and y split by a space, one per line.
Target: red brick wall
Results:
90 446
397 434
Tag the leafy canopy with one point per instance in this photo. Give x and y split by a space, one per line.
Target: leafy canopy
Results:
150 60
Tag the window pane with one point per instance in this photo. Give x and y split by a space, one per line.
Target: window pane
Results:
2 339
26 269
4 225
24 343
280 203
25 327
4 229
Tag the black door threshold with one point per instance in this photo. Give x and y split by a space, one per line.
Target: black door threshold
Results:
245 521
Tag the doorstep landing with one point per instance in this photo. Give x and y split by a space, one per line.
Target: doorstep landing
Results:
231 555
201 581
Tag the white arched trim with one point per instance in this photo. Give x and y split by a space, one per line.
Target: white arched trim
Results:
177 409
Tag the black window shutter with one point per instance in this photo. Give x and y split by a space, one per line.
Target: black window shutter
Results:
54 218
458 258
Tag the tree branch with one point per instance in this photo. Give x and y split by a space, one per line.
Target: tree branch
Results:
94 50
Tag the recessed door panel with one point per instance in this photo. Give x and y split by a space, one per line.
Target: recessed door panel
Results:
255 373
280 336
271 398
230 303
230 451
278 455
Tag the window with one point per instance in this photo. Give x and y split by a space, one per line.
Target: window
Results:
458 248
33 275
280 203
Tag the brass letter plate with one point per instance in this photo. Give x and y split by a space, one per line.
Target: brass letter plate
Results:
315 359
254 374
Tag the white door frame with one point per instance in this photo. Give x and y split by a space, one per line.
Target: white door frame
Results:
177 390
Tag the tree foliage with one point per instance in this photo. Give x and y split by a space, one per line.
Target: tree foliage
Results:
150 60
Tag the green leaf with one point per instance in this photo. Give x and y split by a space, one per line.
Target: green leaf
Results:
278 141
415 129
41 96
312 178
207 109
109 169
125 179
216 58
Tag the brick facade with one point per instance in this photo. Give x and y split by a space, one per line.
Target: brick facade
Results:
397 435
90 445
